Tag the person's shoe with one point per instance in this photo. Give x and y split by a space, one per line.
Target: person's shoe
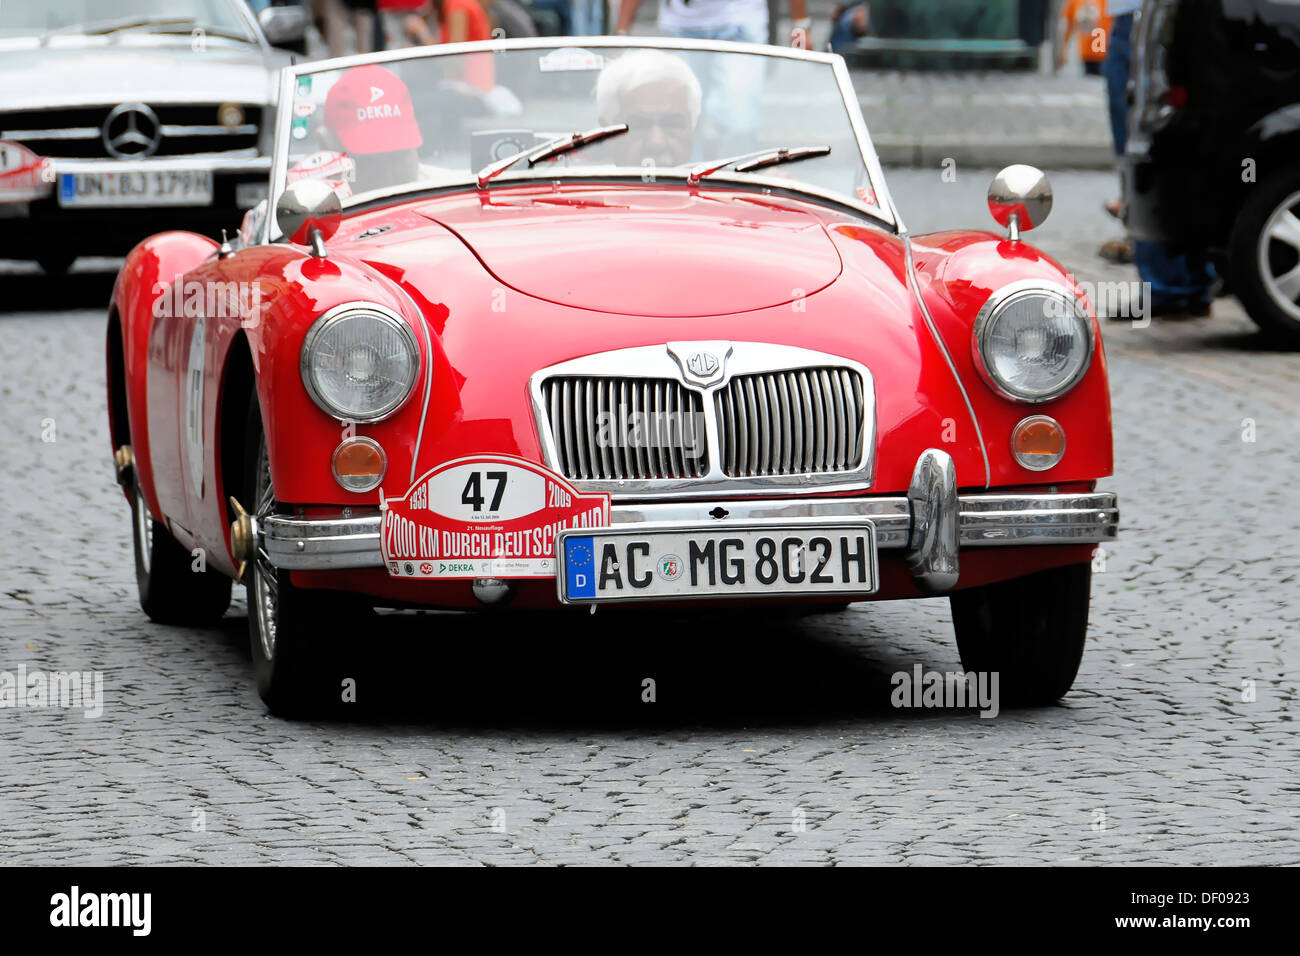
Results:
1117 250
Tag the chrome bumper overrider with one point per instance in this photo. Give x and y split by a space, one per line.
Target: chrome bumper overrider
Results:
930 524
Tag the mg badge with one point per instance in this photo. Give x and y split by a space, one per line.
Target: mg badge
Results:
702 364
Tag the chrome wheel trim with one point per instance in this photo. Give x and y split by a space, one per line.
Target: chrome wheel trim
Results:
1282 226
266 590
143 528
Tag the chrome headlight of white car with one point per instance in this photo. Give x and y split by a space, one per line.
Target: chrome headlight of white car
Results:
1033 341
360 362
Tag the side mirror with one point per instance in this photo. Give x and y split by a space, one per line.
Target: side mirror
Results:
309 211
283 26
1020 198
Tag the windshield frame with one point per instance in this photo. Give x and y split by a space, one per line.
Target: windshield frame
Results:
884 211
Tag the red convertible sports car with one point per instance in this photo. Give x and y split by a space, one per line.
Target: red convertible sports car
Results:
635 321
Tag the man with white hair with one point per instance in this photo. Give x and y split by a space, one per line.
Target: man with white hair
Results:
657 95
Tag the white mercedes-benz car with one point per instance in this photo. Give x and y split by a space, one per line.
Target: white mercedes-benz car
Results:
121 118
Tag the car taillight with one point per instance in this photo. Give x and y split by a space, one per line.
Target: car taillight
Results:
1157 100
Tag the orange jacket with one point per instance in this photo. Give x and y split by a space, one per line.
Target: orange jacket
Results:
1087 17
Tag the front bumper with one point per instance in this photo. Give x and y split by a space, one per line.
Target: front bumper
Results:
931 524
40 227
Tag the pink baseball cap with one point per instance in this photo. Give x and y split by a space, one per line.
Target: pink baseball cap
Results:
369 109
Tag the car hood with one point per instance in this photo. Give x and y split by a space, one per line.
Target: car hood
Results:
489 341
148 70
650 252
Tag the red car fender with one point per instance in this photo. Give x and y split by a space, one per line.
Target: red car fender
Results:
149 270
302 437
957 272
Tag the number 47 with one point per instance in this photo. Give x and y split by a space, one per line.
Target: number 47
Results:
473 493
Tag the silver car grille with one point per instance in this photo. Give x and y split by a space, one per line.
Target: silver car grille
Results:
796 421
702 418
621 428
184 130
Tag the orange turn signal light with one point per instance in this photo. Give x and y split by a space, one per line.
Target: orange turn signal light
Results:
359 464
1038 442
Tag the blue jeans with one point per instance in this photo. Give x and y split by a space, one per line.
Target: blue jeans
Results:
561 9
1116 69
586 16
1173 278
842 35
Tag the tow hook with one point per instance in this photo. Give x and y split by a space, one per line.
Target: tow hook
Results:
243 537
124 462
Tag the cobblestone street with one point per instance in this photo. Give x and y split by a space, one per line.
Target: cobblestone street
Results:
496 739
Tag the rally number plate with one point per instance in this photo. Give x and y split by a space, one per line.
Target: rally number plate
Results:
666 562
484 516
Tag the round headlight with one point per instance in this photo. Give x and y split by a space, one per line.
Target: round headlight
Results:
360 362
1032 343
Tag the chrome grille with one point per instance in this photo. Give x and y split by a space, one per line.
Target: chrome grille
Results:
626 428
77 132
800 421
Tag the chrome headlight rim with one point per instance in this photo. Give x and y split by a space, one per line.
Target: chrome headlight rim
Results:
331 317
1006 296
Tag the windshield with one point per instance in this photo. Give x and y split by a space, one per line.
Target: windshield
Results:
69 16
383 125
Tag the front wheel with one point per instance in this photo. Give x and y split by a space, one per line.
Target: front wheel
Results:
1264 254
293 632
175 586
1029 630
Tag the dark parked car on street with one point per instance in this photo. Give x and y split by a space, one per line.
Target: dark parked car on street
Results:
1213 158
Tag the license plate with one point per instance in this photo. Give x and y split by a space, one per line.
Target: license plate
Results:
156 187
664 562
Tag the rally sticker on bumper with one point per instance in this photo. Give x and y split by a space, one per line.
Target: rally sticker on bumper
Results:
484 516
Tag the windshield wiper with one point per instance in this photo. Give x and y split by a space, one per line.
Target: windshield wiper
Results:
547 150
98 28
748 162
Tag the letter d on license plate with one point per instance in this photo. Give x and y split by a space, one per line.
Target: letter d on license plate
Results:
666 562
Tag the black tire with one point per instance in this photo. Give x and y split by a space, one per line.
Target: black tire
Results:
171 591
1029 630
1256 261
293 632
